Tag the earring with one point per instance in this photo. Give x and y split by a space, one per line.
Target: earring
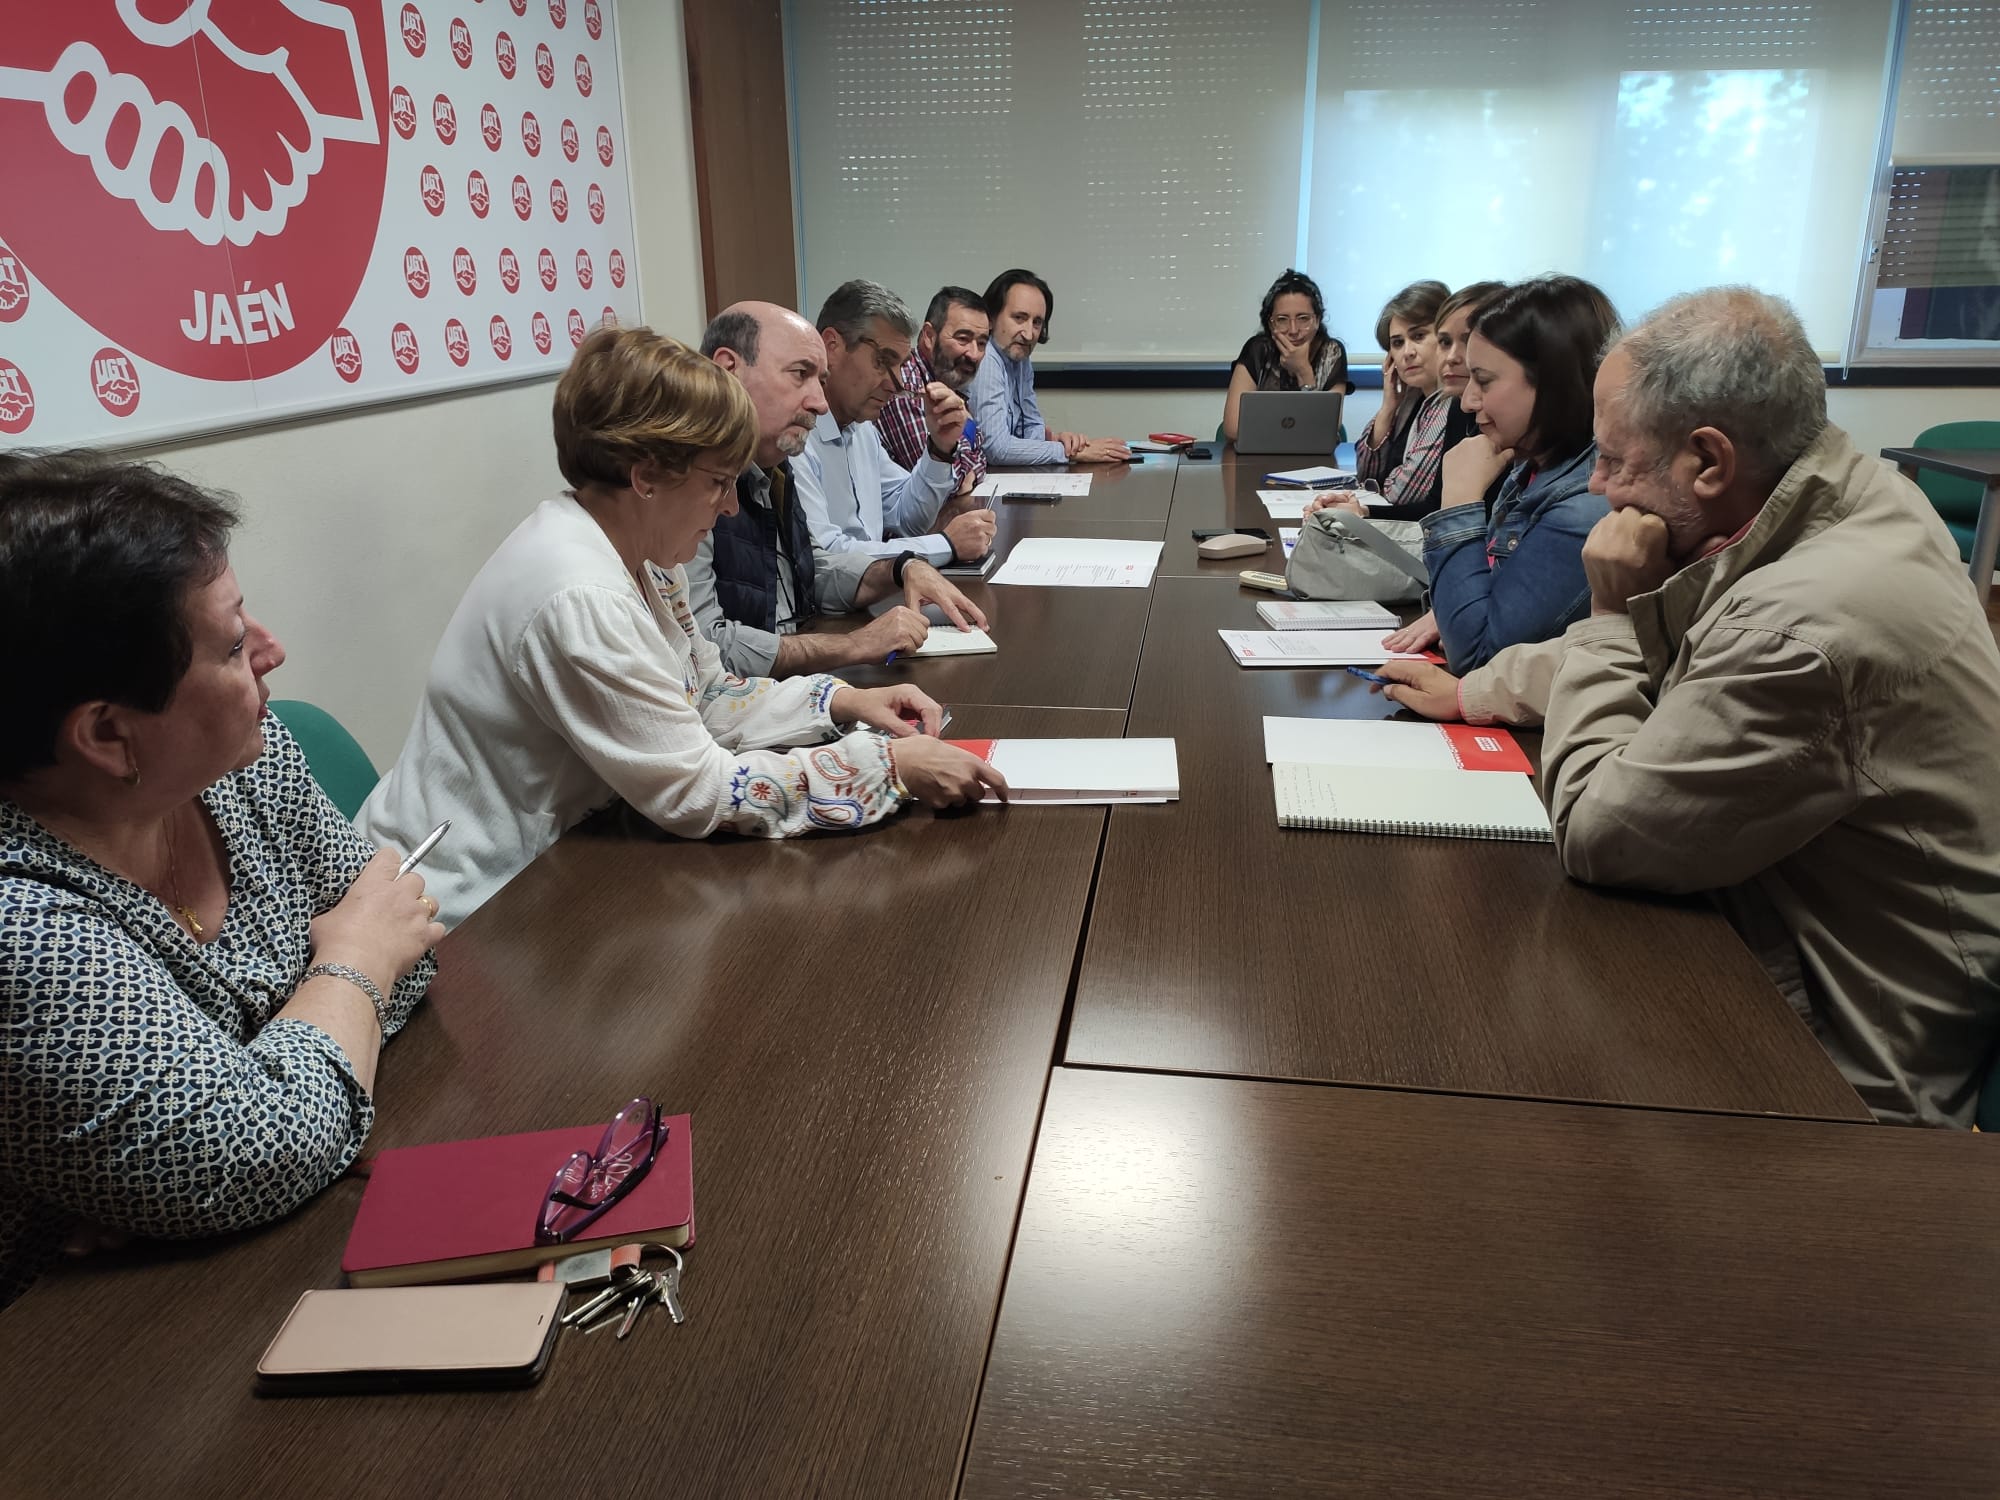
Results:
132 776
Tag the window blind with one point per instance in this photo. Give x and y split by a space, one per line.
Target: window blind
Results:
1652 148
1141 155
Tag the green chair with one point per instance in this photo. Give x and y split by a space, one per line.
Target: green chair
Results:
1957 500
339 764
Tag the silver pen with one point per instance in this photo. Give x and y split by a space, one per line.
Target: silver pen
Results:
417 854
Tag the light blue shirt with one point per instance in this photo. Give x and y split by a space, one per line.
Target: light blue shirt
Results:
859 499
1011 428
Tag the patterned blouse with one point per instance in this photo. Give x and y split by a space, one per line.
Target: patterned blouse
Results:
143 1083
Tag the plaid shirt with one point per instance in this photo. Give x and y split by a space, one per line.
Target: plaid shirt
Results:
1411 480
901 424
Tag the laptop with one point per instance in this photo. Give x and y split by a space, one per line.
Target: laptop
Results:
1288 421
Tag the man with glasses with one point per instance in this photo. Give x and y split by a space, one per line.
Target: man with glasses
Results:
759 577
949 349
858 498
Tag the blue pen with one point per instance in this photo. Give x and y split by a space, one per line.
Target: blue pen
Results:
1375 677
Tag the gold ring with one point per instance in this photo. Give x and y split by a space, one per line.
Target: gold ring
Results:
431 902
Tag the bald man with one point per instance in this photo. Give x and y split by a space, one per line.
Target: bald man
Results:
760 579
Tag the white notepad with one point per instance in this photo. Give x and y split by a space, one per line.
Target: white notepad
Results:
999 486
1318 474
1080 562
1290 505
1325 614
1093 770
1396 743
1310 648
951 640
1382 799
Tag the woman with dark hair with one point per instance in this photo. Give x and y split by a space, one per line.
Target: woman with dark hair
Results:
199 957
1409 376
1414 488
1293 353
1506 551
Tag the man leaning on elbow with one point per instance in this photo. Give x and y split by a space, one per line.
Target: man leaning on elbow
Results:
1785 693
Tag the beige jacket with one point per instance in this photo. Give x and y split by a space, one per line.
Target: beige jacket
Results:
1808 724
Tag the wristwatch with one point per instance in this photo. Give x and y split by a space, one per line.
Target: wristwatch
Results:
943 456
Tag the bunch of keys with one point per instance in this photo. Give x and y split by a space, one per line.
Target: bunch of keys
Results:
633 1290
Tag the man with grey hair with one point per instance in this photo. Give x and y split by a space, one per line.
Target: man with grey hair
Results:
858 498
759 580
1785 693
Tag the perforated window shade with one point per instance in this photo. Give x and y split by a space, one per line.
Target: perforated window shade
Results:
1948 99
1650 148
1141 155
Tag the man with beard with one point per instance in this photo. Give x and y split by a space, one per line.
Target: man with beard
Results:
1011 429
759 578
949 349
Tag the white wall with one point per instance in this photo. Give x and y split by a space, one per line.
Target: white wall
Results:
1876 418
361 531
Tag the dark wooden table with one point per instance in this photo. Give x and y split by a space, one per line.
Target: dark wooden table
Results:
1221 943
1224 1288
1979 465
862 1028
1218 494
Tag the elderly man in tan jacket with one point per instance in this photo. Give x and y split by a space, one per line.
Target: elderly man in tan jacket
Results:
1785 693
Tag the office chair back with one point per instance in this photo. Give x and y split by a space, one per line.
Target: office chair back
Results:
339 764
1957 500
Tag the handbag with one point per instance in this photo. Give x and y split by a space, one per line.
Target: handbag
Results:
1341 556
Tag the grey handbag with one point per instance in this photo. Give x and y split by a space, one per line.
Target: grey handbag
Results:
1340 555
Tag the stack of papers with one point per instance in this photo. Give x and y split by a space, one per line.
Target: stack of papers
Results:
1317 477
1290 505
951 640
1100 770
998 486
1080 562
1392 743
1312 648
1325 614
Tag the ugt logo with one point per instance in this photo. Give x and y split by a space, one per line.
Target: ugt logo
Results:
503 53
524 198
461 43
430 188
616 261
416 272
114 382
17 399
345 351
545 267
463 271
457 343
403 348
510 270
539 326
402 112
559 201
444 120
478 193
501 337
604 144
572 143
583 269
13 287
545 65
489 126
531 133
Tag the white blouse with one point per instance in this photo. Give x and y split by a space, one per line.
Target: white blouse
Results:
561 686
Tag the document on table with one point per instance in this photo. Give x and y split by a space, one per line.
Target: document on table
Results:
1080 562
954 640
1093 770
1320 475
1393 743
998 486
1289 535
1290 505
1311 648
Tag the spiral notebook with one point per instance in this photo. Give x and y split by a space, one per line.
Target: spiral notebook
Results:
1383 799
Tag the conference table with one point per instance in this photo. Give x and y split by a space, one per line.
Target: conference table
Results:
1982 466
1157 1150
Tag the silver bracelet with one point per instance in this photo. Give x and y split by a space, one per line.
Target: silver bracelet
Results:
355 977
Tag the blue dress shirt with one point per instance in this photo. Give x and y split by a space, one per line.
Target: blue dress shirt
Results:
858 499
1011 428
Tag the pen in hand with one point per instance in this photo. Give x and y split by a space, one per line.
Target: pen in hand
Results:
416 855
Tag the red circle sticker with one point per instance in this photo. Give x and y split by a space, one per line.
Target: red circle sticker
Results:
545 65
14 291
478 193
545 267
403 345
489 127
583 75
114 382
559 201
604 144
414 35
593 19
503 52
444 120
17 398
617 265
345 351
464 274
544 339
576 328
510 270
457 343
524 198
583 269
402 112
531 133
220 186
461 43
572 141
595 198
416 272
559 13
430 188
501 335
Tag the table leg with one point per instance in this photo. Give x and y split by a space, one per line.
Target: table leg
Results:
1986 541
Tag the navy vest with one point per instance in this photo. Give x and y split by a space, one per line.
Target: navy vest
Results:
746 553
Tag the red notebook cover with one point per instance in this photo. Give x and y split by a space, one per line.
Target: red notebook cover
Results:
1479 747
460 1209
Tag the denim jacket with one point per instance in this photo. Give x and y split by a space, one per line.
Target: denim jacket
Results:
1534 585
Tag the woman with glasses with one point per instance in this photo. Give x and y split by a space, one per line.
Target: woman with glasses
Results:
573 675
199 957
1294 352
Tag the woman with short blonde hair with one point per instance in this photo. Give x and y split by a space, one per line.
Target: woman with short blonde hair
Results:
572 674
